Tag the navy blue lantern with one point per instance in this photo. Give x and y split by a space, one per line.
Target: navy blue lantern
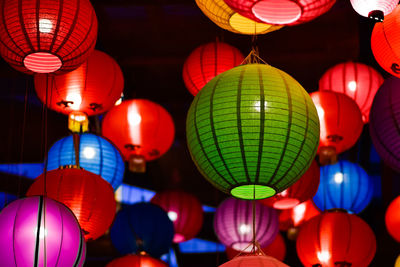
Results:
344 185
6 198
142 227
96 155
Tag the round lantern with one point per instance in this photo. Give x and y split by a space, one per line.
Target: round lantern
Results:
397 263
336 239
222 15
276 249
184 210
385 121
47 36
252 131
344 185
93 88
233 224
96 155
88 196
392 219
141 129
6 198
281 12
292 218
38 231
136 261
304 189
340 120
374 9
356 80
385 43
142 227
254 261
206 62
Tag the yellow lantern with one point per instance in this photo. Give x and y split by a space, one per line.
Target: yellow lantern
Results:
397 263
78 122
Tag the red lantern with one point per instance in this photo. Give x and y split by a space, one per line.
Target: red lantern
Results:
392 219
298 215
304 189
385 43
47 36
281 12
336 239
206 62
184 210
141 129
356 80
86 194
136 261
93 88
254 261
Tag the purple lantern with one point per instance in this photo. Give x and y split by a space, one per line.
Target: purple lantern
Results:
233 224
385 121
38 231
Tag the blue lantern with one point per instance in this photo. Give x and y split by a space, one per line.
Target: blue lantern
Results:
96 155
142 227
6 198
344 185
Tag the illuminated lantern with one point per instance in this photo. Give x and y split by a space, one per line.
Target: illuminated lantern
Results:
304 189
47 36
184 210
252 131
141 129
87 195
222 15
206 62
233 224
96 155
356 80
142 227
344 185
340 120
392 219
37 231
276 249
385 43
385 121
321 241
136 261
254 261
374 9
5 199
292 218
281 12
397 263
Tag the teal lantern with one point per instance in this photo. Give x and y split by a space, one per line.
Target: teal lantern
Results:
252 131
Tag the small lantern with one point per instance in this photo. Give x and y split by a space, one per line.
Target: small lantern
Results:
374 9
78 122
392 219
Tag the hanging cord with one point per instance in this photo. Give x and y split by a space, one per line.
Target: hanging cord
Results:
76 137
254 219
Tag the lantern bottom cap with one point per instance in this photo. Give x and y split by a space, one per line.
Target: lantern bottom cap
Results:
286 203
178 238
278 12
247 26
251 191
42 62
242 246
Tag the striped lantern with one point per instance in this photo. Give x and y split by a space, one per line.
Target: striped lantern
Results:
374 9
254 261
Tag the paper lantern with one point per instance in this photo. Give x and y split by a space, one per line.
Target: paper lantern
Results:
254 261
184 210
358 81
374 9
233 224
38 231
5 199
321 241
344 185
142 227
136 261
89 197
222 15
281 12
385 121
206 62
96 155
141 129
293 218
93 88
304 189
340 120
47 36
392 219
252 131
397 263
385 43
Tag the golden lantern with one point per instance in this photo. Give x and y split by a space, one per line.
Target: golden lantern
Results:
78 122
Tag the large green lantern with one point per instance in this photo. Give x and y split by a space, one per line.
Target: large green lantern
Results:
252 131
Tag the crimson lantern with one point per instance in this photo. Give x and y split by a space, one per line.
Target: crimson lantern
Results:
392 219
336 239
47 36
136 261
374 9
141 129
292 218
281 12
356 80
89 197
184 210
206 62
254 261
304 189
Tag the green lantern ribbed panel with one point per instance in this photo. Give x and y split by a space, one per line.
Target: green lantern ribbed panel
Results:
252 125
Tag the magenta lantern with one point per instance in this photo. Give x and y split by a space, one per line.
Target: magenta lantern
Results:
38 231
233 224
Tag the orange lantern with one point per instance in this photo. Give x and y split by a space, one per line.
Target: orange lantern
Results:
392 219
